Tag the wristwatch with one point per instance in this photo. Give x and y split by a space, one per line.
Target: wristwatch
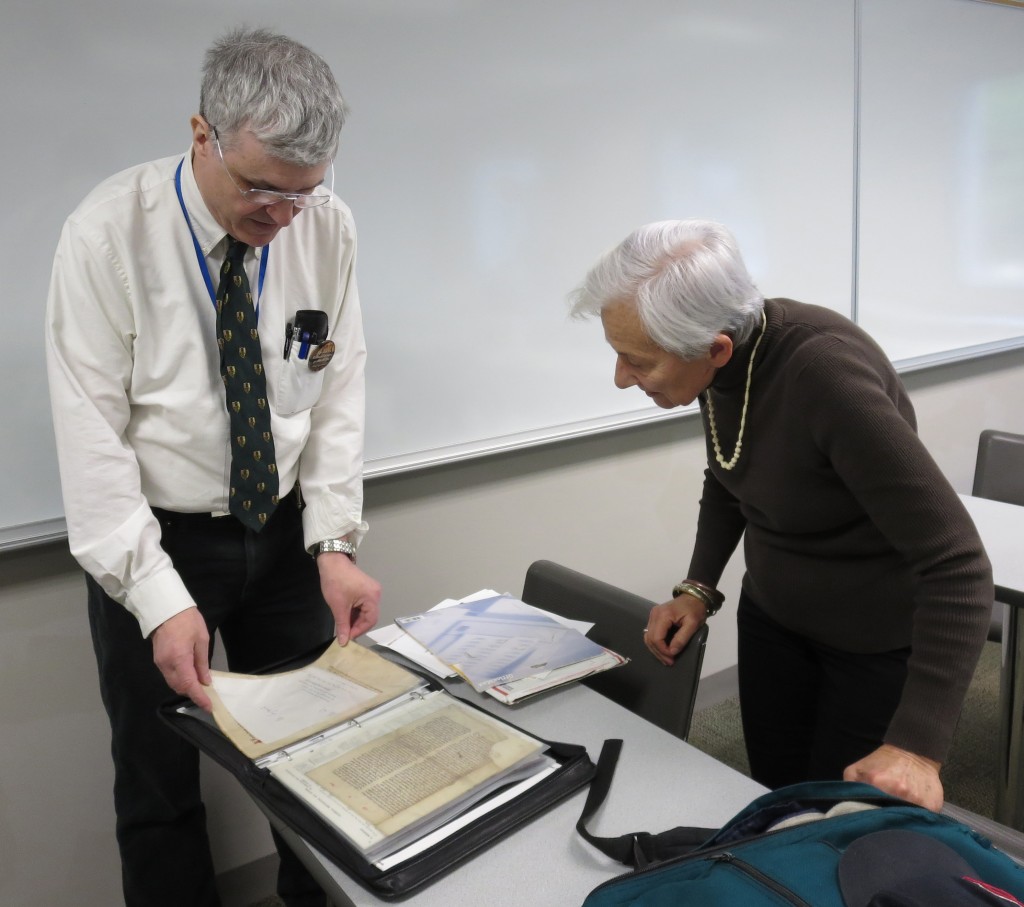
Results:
339 546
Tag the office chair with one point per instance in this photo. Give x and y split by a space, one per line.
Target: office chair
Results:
999 476
664 696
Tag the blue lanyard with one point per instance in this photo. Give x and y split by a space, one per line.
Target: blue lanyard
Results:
202 258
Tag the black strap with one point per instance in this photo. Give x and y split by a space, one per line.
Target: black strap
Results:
638 849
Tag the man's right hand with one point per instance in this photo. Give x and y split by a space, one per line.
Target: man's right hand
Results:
181 650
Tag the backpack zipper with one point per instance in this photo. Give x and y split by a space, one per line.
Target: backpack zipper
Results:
756 874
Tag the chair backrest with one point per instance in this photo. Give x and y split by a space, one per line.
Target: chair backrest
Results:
999 476
662 695
999 470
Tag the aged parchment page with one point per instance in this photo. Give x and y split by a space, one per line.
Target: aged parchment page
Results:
422 761
262 713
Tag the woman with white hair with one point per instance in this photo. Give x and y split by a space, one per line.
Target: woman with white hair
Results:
867 593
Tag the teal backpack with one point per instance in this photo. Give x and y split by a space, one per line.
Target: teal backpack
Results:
824 844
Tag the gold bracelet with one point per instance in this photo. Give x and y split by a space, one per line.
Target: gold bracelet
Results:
711 598
717 597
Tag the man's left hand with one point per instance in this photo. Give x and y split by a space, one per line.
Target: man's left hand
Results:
900 773
353 597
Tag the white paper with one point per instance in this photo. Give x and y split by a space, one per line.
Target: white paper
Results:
276 706
449 828
396 639
518 690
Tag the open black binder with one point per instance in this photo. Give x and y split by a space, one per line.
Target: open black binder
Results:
575 769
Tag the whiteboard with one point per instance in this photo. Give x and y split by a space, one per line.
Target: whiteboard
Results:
493 152
550 132
941 177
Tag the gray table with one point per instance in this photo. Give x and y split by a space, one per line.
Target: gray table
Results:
1001 527
660 782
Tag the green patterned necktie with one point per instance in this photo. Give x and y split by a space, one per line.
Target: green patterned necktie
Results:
254 486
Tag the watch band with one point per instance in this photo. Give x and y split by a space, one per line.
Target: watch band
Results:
338 546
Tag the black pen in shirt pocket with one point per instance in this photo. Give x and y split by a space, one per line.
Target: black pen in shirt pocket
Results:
308 329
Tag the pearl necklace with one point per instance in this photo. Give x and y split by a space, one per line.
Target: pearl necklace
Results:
729 464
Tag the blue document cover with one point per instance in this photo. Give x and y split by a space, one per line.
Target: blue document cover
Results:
497 640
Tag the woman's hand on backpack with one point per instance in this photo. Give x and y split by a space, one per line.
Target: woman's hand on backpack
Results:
900 773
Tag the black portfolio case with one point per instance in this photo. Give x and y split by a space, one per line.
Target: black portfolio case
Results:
575 770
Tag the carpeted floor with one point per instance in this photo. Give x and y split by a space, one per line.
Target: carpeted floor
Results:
968 776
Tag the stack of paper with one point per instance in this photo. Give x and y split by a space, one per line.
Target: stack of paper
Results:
500 645
392 765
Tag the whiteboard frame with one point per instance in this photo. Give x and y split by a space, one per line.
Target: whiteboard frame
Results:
45 532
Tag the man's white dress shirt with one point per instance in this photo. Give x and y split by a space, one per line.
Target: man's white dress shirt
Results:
135 381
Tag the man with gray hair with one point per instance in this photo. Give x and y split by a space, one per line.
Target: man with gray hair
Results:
205 353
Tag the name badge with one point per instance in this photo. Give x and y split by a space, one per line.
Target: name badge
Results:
323 354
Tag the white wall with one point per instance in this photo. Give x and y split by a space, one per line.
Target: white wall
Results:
621 507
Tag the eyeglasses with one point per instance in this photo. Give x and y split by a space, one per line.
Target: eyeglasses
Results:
271 196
